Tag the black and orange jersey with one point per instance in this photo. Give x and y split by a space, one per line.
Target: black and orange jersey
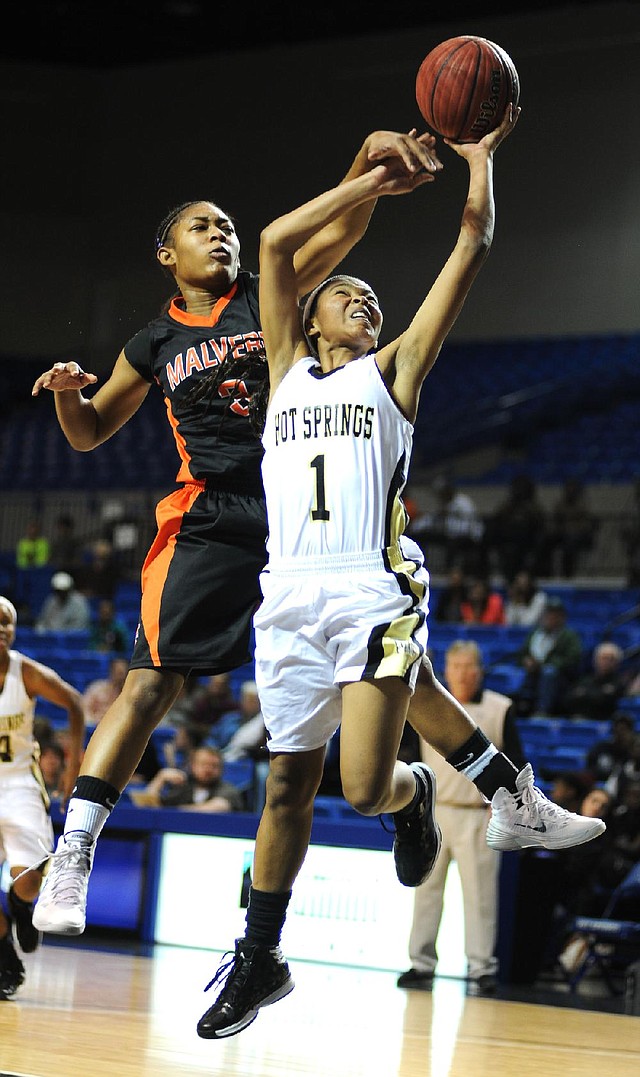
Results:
213 435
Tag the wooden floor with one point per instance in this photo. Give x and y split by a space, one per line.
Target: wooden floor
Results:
86 1012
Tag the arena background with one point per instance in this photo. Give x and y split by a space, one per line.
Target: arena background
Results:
113 113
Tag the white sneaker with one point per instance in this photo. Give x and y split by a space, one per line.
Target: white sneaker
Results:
520 822
61 907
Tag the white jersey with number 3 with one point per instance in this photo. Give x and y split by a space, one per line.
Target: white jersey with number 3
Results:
337 451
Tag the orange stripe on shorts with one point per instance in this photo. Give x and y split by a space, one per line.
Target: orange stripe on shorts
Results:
169 515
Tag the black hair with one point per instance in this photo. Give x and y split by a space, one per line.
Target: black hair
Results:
252 368
167 223
309 302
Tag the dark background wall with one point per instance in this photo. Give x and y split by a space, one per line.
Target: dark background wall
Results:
93 158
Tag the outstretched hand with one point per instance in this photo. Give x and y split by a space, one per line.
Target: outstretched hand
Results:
417 153
392 177
492 140
63 376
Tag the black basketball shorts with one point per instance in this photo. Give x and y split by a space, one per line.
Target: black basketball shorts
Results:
200 582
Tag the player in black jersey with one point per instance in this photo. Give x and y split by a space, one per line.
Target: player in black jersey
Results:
200 578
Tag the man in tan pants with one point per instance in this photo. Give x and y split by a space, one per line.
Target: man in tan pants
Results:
462 814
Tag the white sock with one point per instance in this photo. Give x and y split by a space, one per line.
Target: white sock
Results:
85 820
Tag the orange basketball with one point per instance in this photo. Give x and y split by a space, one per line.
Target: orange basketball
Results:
463 87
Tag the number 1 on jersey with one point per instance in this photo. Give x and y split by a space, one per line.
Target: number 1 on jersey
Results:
320 512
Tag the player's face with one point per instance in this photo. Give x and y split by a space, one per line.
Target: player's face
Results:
7 628
203 249
348 313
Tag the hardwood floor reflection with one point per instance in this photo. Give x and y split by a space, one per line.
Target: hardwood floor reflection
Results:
111 1014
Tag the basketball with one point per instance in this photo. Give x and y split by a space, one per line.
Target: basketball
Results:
463 87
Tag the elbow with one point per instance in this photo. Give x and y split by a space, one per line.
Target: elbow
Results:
271 238
478 244
81 444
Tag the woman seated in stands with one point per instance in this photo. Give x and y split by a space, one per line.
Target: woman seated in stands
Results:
525 601
482 606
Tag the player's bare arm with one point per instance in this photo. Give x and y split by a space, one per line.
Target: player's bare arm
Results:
284 341
406 362
40 680
88 423
324 251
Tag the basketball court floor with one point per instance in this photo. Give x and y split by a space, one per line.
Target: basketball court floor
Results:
91 1011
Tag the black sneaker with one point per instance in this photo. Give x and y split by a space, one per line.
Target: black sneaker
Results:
11 969
484 986
415 980
418 838
255 976
21 911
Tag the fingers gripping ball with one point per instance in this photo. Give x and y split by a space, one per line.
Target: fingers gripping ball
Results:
463 87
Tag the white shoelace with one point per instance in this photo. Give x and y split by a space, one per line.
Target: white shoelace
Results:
65 883
536 804
48 853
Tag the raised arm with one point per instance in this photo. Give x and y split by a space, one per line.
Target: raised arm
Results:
88 423
406 362
280 240
323 251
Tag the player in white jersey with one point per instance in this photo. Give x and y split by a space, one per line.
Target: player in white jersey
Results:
341 631
26 833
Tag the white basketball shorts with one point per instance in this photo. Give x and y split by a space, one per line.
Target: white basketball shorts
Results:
329 621
24 820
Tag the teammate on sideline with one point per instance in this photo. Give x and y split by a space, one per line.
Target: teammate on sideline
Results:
25 826
200 578
341 631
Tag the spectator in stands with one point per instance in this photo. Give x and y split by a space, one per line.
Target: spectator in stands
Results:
483 605
583 881
605 755
453 594
65 609
32 550
551 657
108 633
515 528
596 694
569 789
214 709
462 814
177 750
250 738
201 788
525 601
626 771
571 531
454 525
100 694
52 764
100 575
625 820
65 545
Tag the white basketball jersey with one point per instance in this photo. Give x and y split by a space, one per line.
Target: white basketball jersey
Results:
337 452
18 747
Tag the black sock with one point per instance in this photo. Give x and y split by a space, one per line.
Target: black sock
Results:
266 915
481 762
97 791
20 902
413 803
